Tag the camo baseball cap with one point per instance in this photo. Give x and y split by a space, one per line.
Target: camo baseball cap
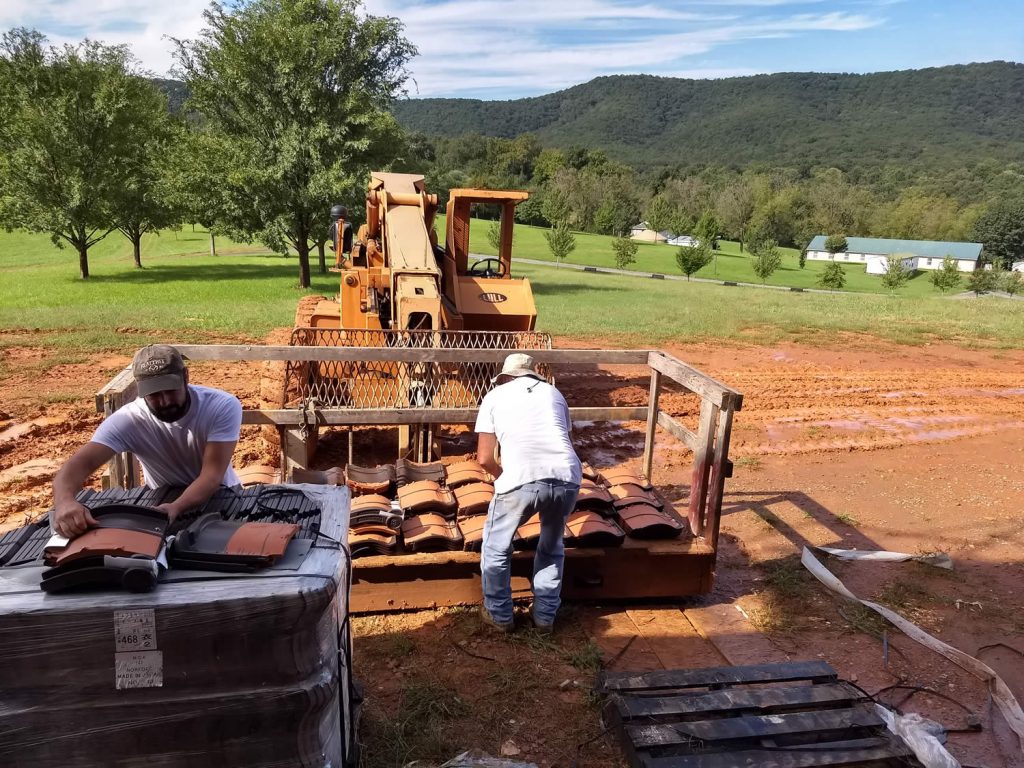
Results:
157 368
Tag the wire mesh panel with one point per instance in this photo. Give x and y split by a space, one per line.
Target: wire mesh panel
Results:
385 384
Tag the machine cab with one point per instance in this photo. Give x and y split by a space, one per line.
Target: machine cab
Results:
479 291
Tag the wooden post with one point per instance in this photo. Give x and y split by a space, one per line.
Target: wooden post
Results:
702 466
122 470
295 452
718 473
652 422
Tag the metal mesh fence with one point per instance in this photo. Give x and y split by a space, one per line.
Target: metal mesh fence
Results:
399 385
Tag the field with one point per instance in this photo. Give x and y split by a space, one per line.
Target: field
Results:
246 291
729 263
869 421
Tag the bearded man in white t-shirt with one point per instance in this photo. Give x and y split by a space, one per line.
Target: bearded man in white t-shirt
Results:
528 420
182 434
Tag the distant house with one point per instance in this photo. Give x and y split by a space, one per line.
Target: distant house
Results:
873 253
687 240
1018 266
645 234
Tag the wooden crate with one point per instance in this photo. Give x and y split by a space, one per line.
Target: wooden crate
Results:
637 570
791 715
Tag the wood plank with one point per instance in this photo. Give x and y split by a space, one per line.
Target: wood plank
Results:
754 727
408 354
703 453
677 430
839 754
813 671
733 635
621 643
764 700
720 731
122 384
344 416
652 421
696 381
675 641
720 469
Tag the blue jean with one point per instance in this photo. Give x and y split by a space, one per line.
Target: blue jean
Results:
553 500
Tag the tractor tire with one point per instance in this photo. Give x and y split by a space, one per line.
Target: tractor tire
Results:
304 311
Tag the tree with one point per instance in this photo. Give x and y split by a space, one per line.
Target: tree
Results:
69 119
735 207
560 241
896 272
625 251
692 258
1001 230
707 229
982 281
660 213
765 258
833 277
494 236
1013 282
297 94
835 244
947 277
143 204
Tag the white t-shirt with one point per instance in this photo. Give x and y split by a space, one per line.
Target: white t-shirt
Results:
172 453
531 421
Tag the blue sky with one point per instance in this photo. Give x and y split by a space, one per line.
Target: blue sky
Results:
503 49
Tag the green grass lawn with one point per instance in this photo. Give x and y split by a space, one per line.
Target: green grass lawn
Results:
730 264
185 295
244 290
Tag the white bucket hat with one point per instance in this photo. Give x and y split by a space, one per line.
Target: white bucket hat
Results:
516 365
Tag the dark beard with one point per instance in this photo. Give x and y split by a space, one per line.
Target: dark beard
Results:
173 413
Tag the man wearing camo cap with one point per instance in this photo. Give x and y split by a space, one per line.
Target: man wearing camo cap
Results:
182 434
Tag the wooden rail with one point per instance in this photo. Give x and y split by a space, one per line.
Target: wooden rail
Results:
710 444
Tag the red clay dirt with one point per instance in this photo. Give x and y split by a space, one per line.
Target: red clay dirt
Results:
866 445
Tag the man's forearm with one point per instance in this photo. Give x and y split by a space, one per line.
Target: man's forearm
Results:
69 480
198 492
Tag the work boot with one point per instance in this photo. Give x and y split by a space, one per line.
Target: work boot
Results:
541 627
505 627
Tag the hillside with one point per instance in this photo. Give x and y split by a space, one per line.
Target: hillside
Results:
940 117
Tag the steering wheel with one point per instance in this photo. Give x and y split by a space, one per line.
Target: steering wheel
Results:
483 268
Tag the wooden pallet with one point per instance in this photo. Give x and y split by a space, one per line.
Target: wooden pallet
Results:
791 715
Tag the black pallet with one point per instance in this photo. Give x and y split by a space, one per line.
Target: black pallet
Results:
792 715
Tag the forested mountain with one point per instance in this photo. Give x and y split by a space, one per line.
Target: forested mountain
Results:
175 91
940 117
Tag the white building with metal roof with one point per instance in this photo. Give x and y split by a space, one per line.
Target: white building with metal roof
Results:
874 253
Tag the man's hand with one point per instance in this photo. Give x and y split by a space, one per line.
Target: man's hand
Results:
171 509
72 519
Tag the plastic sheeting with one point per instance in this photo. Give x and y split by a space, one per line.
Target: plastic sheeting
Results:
938 559
248 670
918 733
1001 694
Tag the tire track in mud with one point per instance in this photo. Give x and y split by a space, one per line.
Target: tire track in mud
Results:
814 410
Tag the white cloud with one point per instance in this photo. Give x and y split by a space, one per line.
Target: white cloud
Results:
492 46
141 24
485 47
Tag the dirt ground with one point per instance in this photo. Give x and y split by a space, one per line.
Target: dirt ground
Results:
860 445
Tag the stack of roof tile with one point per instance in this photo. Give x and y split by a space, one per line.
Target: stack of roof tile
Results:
474 489
363 480
212 543
430 512
407 472
121 551
374 525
